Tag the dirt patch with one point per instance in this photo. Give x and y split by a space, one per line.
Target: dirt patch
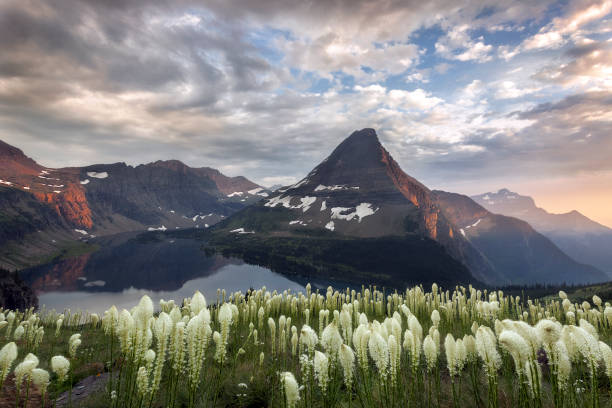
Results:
83 389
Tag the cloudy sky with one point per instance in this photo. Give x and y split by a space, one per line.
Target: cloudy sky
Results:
468 96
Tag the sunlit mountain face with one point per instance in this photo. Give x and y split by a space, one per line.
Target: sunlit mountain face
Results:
469 96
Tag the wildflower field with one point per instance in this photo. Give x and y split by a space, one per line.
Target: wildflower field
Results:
459 348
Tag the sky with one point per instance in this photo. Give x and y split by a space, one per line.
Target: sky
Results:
468 96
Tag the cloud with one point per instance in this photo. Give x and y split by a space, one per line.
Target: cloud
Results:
579 14
510 90
589 67
267 88
458 45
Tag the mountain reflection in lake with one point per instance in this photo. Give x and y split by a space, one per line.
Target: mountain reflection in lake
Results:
127 267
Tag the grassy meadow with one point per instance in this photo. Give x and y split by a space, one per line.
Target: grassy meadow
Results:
423 348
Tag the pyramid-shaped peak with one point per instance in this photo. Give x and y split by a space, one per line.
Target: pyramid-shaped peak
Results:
365 134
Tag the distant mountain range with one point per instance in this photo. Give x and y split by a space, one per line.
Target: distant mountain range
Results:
357 214
44 211
577 235
356 217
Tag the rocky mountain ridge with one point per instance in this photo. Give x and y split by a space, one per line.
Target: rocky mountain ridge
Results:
359 192
40 204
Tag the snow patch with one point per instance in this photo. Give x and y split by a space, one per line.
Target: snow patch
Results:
274 201
26 188
322 187
80 231
242 231
86 181
235 194
172 211
162 228
57 191
474 224
463 232
299 222
8 183
330 226
95 283
255 191
361 211
486 198
101 175
323 206
305 202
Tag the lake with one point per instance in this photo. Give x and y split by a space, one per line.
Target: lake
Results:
128 266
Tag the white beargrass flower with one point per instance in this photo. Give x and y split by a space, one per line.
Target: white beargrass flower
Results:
308 338
608 314
606 354
40 379
451 354
528 333
460 355
589 328
394 357
73 344
58 325
291 388
177 346
563 364
379 351
470 347
149 358
562 294
142 382
198 335
24 370
361 337
486 346
597 301
197 303
587 345
415 328
347 361
321 370
346 323
8 354
435 317
548 331
431 353
331 340
60 366
143 312
19 331
516 346
272 328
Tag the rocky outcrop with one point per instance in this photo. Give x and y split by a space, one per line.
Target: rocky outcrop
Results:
14 293
109 198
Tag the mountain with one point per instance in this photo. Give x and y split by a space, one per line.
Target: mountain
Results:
512 246
44 212
358 198
580 237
